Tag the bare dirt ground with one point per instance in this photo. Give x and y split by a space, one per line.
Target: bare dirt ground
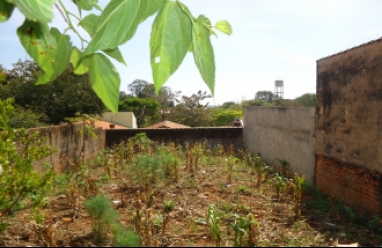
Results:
64 221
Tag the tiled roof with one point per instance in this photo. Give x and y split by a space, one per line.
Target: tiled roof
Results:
167 124
106 125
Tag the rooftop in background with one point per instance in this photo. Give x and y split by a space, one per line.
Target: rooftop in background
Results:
167 124
108 125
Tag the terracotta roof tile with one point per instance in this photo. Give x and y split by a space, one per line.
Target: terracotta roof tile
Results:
106 125
167 124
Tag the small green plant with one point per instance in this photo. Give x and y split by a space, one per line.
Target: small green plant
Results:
102 214
297 188
125 237
279 183
245 228
146 168
167 208
241 189
212 221
285 166
231 161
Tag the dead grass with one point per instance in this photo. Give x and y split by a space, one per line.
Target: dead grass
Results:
66 222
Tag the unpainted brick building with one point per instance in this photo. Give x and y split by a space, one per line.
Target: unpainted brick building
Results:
349 127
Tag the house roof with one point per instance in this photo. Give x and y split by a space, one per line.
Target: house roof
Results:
167 124
106 125
347 50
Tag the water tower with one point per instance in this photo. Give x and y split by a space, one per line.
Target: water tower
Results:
279 88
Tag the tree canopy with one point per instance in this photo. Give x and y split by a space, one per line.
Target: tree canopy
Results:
142 108
67 95
175 32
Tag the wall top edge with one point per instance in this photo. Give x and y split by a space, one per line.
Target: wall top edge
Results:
349 49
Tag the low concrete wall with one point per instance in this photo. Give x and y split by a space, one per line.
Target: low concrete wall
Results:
285 133
214 136
71 145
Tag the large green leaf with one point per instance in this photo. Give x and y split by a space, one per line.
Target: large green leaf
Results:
169 42
150 8
35 10
87 4
116 25
224 27
6 10
50 49
89 23
80 66
203 53
105 80
115 54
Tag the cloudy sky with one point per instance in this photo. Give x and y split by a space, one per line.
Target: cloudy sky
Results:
271 40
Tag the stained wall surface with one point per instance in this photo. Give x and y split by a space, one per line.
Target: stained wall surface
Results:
285 133
349 126
70 145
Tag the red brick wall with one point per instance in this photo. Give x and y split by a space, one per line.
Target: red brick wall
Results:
357 187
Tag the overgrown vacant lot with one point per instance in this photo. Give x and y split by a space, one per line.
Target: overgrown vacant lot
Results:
141 193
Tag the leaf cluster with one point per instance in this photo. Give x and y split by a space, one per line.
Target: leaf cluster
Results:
19 180
174 32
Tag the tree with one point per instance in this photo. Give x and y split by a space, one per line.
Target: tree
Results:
228 104
141 88
267 96
52 50
307 100
123 95
144 109
64 97
191 112
225 117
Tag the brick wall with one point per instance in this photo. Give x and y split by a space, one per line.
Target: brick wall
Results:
359 188
349 126
214 136
70 144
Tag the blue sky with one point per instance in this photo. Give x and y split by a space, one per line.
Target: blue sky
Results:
271 40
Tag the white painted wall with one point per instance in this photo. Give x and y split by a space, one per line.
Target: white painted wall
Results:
126 119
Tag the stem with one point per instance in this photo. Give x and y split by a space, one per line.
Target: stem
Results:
67 19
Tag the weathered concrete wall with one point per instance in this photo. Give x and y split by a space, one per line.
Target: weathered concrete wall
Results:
126 119
349 126
285 133
70 144
214 136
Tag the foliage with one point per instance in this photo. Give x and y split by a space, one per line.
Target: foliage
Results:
267 96
105 219
25 118
102 214
19 180
52 50
307 100
255 102
212 221
165 96
225 117
67 95
141 107
228 104
191 112
245 226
